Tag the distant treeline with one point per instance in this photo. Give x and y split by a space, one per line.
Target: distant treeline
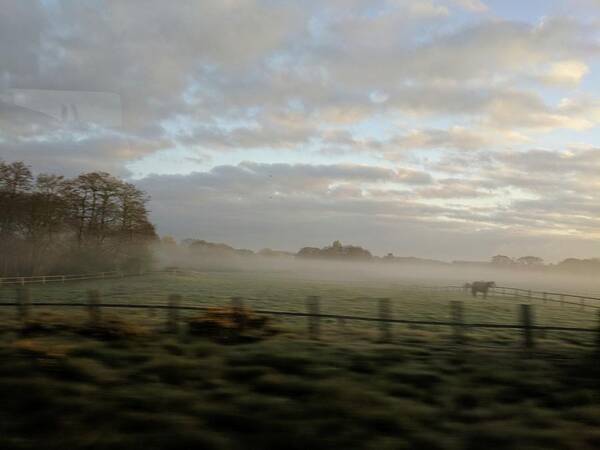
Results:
573 265
338 251
51 224
210 249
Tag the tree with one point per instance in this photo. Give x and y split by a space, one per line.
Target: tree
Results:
336 251
15 183
501 260
530 261
168 241
15 177
92 222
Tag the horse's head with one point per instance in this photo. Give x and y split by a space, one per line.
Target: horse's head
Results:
491 284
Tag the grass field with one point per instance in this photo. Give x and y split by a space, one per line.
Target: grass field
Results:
62 389
281 292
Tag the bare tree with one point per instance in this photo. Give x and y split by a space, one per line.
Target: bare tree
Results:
92 221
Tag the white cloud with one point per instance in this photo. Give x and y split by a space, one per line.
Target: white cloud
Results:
437 105
426 8
569 72
472 5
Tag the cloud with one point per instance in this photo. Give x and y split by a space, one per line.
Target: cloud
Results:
569 72
456 137
415 115
294 205
240 60
251 178
430 9
472 5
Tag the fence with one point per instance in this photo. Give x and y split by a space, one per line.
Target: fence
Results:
561 298
313 313
548 297
173 306
504 291
43 279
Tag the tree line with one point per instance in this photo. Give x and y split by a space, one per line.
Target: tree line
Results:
337 251
52 224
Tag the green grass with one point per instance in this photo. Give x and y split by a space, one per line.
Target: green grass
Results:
272 291
144 388
161 391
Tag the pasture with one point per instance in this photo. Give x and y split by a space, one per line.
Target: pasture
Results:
154 390
285 292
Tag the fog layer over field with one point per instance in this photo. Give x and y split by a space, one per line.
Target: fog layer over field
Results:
380 271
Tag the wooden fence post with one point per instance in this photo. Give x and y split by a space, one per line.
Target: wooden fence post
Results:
385 314
341 322
598 335
456 308
237 305
173 318
562 299
314 321
526 324
545 296
23 303
94 302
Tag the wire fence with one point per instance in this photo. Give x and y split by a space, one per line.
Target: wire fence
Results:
43 279
529 295
525 324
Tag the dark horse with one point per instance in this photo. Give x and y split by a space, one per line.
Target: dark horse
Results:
481 286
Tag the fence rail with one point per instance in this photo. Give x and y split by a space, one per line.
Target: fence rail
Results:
43 279
308 314
562 298
385 319
313 314
503 291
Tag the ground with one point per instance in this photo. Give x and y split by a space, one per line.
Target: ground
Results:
145 388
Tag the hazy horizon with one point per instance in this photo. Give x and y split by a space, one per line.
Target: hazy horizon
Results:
256 249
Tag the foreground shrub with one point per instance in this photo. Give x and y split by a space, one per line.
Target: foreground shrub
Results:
231 325
107 329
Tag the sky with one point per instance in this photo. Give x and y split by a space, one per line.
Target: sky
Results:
449 129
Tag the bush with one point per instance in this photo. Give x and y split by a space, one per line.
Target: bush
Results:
231 325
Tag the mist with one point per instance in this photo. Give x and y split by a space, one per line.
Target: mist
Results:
378 271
